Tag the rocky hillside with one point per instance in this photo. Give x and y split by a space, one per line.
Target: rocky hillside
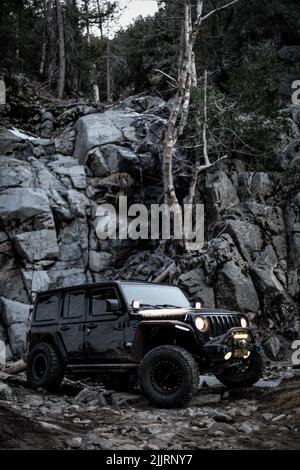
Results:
87 416
51 185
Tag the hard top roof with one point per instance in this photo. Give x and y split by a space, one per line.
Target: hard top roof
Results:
99 284
114 282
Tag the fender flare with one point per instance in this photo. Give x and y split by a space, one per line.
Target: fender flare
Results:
152 333
53 339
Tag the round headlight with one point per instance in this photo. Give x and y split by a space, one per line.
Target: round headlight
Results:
244 322
201 324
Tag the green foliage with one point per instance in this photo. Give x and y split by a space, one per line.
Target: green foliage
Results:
149 44
20 33
238 46
234 126
26 26
256 80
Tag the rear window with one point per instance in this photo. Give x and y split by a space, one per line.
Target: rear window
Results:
74 305
47 308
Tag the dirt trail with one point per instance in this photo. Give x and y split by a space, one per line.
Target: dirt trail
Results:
253 418
19 432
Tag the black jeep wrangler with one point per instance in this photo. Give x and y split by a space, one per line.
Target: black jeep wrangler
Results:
118 329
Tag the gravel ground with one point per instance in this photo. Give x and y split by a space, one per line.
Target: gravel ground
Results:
86 416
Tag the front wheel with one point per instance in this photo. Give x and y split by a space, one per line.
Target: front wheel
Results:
44 367
168 376
245 374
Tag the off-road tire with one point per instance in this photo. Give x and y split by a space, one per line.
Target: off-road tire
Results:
232 378
44 367
165 364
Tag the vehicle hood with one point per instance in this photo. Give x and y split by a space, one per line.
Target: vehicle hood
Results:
180 313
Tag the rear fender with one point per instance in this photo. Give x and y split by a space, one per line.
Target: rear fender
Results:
54 339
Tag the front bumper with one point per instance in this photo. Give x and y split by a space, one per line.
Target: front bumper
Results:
235 344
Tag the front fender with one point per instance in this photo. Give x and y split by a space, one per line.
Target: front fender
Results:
153 333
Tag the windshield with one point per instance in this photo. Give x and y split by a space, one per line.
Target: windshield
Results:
152 295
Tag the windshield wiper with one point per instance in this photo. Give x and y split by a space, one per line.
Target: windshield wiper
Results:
159 306
167 306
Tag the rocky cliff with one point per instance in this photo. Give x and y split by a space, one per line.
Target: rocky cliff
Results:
51 185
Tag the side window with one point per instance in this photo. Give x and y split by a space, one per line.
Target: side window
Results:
99 298
47 308
74 305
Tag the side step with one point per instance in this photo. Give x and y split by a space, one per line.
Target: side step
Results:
100 367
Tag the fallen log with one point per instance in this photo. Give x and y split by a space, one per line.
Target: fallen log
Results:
164 274
15 367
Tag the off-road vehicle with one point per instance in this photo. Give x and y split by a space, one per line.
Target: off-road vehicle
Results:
121 328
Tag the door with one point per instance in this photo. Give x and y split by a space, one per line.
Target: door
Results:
72 325
105 330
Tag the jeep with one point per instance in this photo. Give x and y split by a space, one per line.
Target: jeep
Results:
124 329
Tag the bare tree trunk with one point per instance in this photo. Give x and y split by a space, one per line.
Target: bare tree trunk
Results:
186 78
204 134
87 21
96 93
108 73
100 20
187 93
47 11
18 37
198 168
43 58
171 135
88 37
181 101
61 50
193 71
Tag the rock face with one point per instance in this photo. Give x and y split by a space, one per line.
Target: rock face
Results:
50 190
49 197
37 245
21 204
96 130
15 317
235 288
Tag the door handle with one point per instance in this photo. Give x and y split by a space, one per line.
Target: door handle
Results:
64 328
92 326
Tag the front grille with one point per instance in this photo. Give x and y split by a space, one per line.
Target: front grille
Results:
219 324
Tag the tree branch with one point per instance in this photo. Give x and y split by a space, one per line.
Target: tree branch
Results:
204 167
166 75
218 9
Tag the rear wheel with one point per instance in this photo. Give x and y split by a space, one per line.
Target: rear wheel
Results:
245 374
44 367
168 376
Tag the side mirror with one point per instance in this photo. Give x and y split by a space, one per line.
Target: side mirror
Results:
113 305
135 305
